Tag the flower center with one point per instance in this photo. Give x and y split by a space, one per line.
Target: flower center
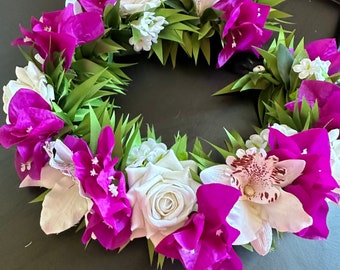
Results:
249 191
256 177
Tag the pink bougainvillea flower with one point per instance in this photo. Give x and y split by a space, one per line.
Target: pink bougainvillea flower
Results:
31 124
205 241
264 204
96 5
244 27
316 183
328 97
109 220
61 31
326 49
65 204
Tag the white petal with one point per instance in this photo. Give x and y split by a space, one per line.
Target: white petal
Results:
49 176
134 174
263 241
170 161
286 214
63 207
215 174
246 217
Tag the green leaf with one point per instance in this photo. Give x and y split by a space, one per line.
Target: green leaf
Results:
180 147
284 64
202 162
95 129
270 62
151 250
158 49
82 93
195 46
41 197
170 34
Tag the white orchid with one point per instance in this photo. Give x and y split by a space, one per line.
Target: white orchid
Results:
263 204
65 203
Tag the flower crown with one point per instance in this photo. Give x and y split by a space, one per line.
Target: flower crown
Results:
104 176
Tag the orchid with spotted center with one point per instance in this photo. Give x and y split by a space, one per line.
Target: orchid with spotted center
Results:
264 204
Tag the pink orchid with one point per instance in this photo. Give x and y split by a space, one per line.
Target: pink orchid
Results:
244 27
264 204
109 219
205 241
32 123
61 31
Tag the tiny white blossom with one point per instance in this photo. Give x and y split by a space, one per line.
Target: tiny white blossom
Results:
258 140
148 151
308 68
113 189
259 68
148 26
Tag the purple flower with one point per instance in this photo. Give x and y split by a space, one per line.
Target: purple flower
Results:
326 49
109 218
31 124
205 241
61 31
316 182
328 97
96 5
244 27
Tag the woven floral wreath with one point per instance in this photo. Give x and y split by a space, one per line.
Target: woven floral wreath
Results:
103 176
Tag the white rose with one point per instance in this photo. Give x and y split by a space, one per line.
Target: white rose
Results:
162 196
28 77
134 6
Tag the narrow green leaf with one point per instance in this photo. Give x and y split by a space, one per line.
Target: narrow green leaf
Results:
180 147
284 64
41 197
94 131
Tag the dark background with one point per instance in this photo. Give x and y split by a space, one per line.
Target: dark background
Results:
173 100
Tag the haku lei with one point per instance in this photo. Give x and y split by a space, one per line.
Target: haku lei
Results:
104 176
